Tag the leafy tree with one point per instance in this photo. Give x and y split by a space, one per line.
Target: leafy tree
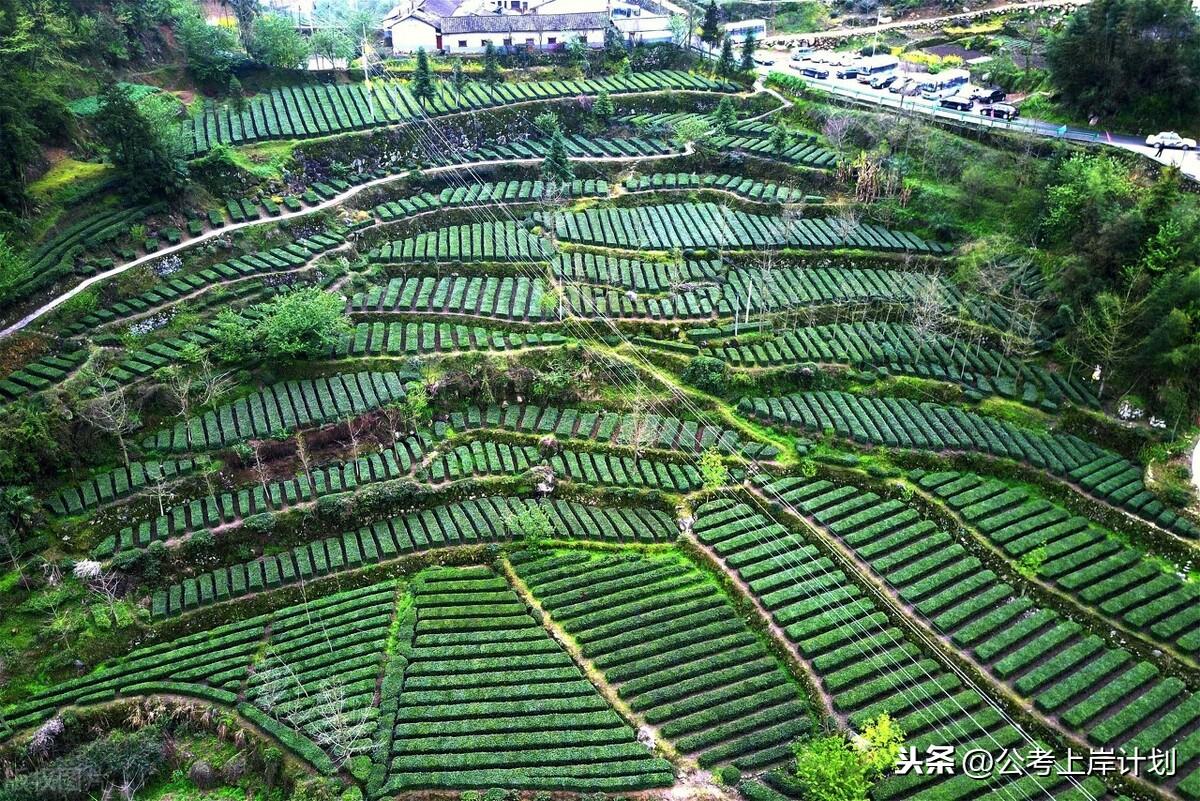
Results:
422 80
880 744
780 139
13 267
748 47
277 43
829 769
491 69
546 123
707 373
18 510
680 30
603 107
246 12
331 44
143 147
1136 58
211 50
416 402
557 167
691 130
713 471
302 324
31 441
614 46
725 114
577 54
726 66
710 29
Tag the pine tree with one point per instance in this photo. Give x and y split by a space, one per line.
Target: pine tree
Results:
748 47
726 66
710 29
780 140
603 107
491 68
422 80
557 167
725 115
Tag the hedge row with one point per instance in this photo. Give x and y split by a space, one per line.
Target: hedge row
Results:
720 696
902 423
473 242
749 188
238 504
416 339
708 225
487 519
866 665
1090 564
900 348
1030 648
474 706
39 374
640 276
294 112
614 428
280 259
115 484
488 193
501 297
284 407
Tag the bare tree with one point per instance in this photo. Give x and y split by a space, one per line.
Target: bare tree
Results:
334 726
302 452
845 223
836 130
111 412
106 584
260 469
928 310
159 487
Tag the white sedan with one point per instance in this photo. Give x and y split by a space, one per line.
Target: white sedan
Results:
1170 139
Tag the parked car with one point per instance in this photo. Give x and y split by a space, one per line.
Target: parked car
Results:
958 103
882 81
801 53
813 71
899 85
984 94
847 72
1170 139
1001 111
911 89
763 61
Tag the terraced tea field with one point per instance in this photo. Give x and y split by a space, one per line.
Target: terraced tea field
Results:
505 447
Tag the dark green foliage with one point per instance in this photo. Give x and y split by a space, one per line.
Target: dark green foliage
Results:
748 46
93 766
1137 59
557 167
726 66
422 80
139 146
491 68
710 29
277 43
707 373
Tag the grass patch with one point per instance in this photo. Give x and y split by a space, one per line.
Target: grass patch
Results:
69 180
1015 413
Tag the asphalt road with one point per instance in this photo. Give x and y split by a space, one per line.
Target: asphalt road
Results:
1187 161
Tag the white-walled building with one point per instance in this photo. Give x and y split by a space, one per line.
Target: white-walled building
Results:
466 26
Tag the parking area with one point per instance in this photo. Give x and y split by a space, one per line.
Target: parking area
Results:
885 81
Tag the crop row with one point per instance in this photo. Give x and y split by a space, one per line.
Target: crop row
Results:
282 408
487 519
901 348
319 109
473 242
488 697
751 136
614 428
269 496
498 458
749 188
213 664
115 484
1088 563
676 651
318 671
280 259
902 423
709 225
39 374
1096 691
503 297
866 665
415 339
640 276
498 192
